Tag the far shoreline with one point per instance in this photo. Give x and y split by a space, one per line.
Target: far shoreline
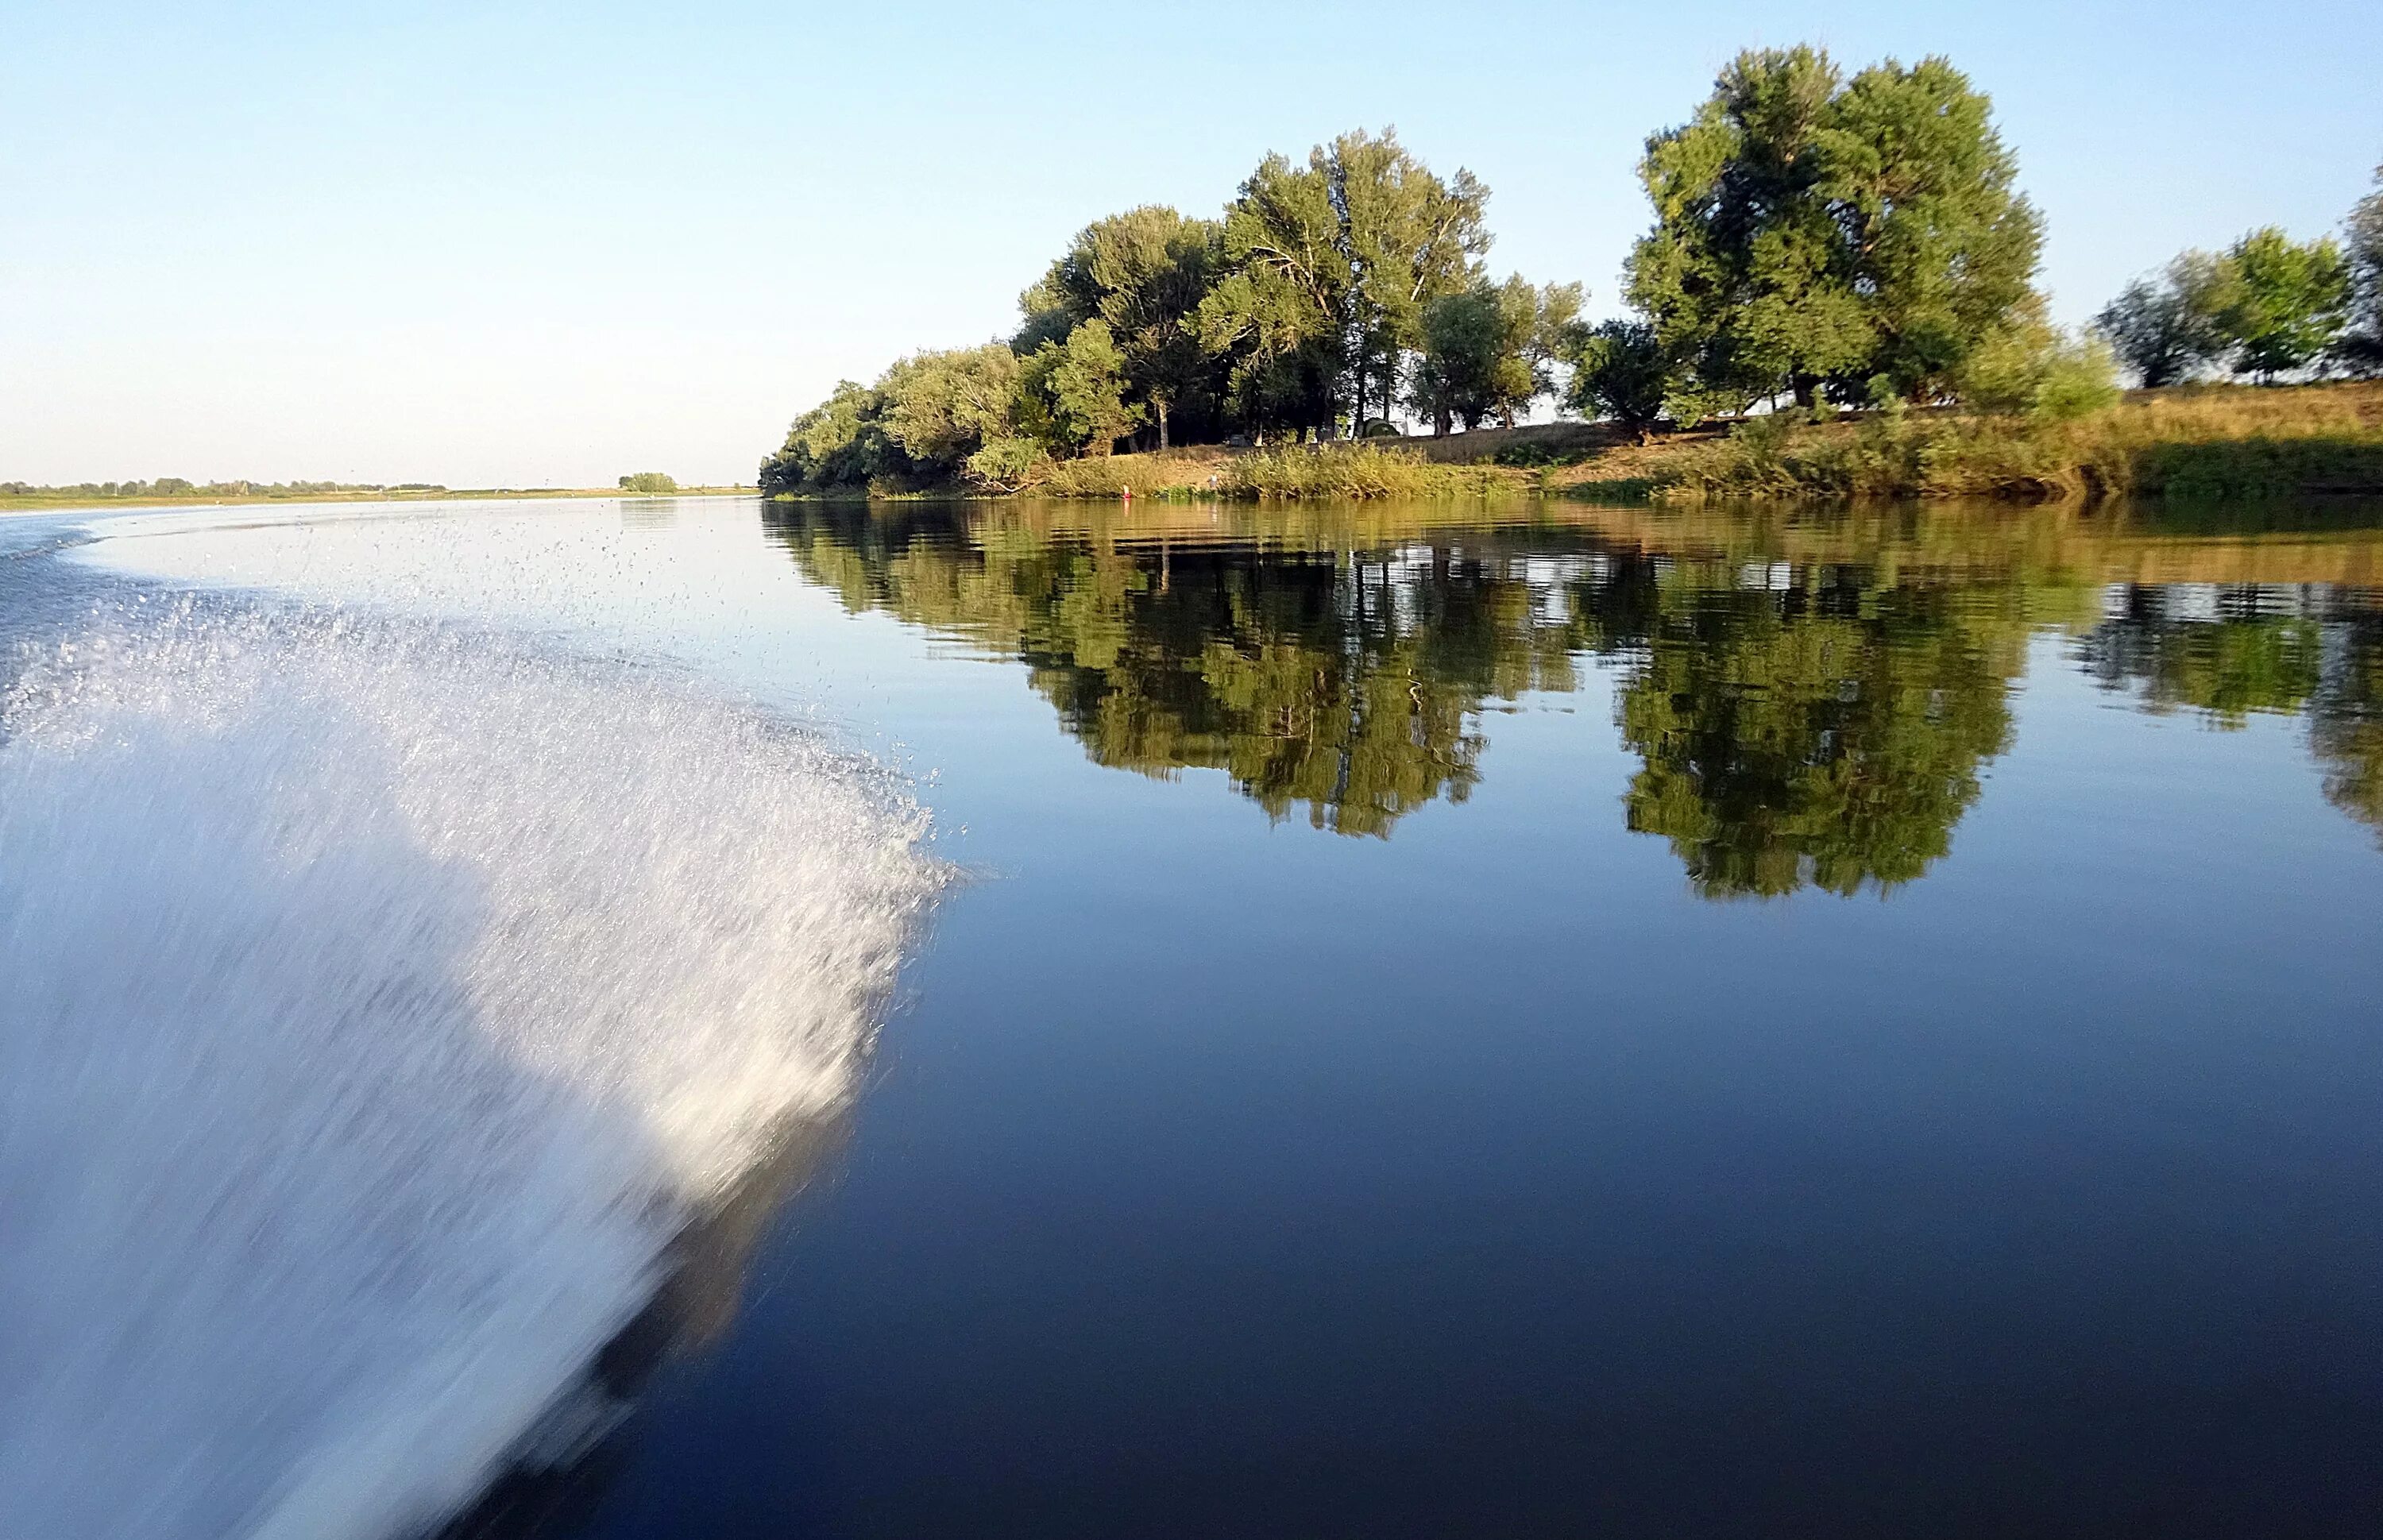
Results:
79 503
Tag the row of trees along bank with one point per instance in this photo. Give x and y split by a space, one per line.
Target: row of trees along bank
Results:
1840 242
2267 306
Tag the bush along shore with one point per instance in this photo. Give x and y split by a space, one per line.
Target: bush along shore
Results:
1835 300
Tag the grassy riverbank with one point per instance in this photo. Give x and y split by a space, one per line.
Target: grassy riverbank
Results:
2205 441
2215 441
1286 473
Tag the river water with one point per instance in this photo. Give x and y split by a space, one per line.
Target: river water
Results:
657 1017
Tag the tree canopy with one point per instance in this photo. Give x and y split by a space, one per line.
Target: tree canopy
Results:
1818 235
1331 265
1304 310
1621 371
1846 240
2282 305
1485 351
2165 328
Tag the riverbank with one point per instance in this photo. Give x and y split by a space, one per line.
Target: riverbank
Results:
2192 441
2200 441
46 501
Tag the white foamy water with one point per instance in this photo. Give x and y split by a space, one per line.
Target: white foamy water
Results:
379 1000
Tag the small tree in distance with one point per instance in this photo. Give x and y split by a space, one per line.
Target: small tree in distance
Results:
2165 328
1486 350
650 483
1620 371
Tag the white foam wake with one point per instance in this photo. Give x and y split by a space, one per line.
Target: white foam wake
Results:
379 1000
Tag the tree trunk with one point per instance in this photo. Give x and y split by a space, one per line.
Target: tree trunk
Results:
1439 423
1158 404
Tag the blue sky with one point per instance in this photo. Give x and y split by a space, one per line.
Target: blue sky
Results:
523 245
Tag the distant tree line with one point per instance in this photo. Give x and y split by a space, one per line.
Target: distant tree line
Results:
176 487
1835 241
2267 306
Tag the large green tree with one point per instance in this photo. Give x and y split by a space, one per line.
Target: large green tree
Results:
934 418
1815 234
943 406
2284 303
1411 239
1143 273
1276 320
1329 268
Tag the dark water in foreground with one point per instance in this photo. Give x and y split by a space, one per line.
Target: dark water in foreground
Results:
1576 1021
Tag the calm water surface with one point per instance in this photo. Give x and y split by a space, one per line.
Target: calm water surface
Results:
1554 1021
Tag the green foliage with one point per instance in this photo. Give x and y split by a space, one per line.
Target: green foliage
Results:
1143 273
958 417
2233 443
1329 268
1486 350
650 484
1621 371
1276 319
2226 668
1829 733
2032 369
2165 328
1012 462
1814 234
1299 313
2283 306
941 408
1081 384
2259 466
837 445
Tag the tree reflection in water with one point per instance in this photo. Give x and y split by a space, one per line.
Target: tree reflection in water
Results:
1812 695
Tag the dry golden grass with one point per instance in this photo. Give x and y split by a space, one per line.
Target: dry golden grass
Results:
2211 441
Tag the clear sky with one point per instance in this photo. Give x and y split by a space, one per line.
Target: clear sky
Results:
545 245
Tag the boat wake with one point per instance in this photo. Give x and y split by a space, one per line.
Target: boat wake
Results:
381 1000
